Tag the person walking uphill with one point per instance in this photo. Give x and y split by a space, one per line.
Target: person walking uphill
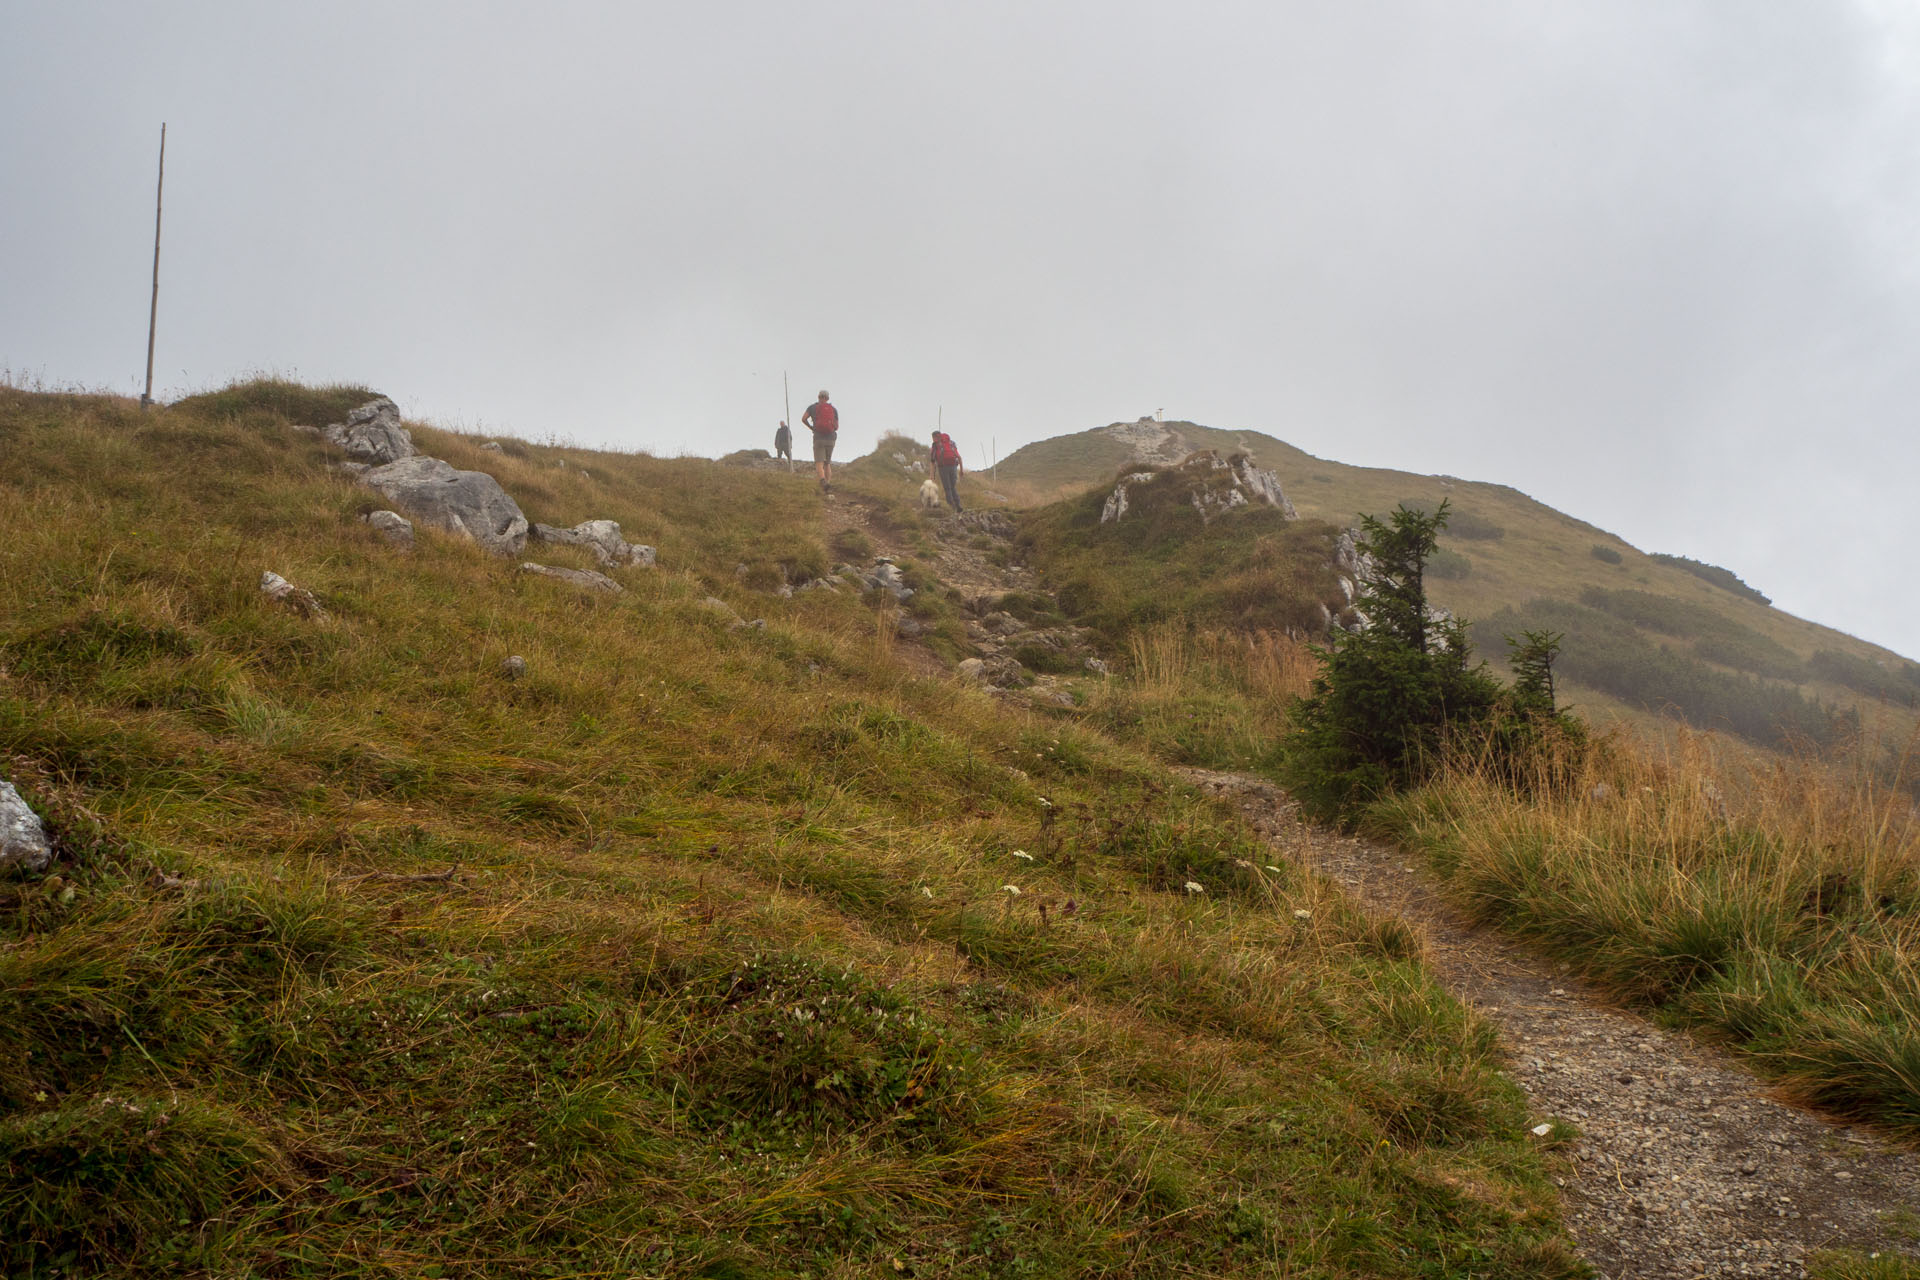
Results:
946 459
783 444
823 420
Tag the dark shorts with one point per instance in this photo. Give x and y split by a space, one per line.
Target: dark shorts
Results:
823 445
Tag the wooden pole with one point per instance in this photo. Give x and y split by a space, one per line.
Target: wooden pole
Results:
153 311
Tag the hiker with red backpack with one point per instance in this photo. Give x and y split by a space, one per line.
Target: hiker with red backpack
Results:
823 420
946 460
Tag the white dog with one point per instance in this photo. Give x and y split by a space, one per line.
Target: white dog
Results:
930 495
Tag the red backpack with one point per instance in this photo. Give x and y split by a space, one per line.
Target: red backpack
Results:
944 451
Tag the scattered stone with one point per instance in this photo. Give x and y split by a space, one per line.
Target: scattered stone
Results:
718 606
996 669
909 627
1098 667
470 503
23 837
586 578
372 434
602 537
394 527
492 445
513 667
301 600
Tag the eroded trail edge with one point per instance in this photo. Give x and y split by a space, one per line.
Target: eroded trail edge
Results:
1685 1166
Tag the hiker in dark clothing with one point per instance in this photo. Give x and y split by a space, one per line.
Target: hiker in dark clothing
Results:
946 460
783 444
823 420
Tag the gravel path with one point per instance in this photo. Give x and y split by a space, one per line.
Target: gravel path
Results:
1685 1166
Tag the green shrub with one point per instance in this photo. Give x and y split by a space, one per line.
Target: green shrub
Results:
1448 564
1899 685
1605 554
1725 579
1389 694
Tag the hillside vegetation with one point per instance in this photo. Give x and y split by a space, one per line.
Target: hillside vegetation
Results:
700 950
1647 636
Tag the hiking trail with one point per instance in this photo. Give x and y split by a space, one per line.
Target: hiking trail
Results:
1687 1165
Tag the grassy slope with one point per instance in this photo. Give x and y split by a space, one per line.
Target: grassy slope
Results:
1779 907
1543 552
728 983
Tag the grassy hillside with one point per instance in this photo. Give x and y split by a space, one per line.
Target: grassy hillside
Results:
698 951
1645 633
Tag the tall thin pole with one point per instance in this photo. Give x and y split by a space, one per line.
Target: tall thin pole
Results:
153 312
787 421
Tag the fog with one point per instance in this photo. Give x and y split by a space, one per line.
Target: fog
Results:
1652 263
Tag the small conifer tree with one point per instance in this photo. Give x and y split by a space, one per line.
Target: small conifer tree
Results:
1391 691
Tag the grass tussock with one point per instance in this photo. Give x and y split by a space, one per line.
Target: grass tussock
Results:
1215 698
1775 903
696 951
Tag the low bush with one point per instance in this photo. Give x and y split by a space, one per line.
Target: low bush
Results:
1725 579
1605 554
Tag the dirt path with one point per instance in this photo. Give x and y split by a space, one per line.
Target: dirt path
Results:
1685 1166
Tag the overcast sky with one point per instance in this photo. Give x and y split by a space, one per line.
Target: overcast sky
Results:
1653 262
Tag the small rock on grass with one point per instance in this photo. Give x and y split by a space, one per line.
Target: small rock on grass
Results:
513 667
578 577
301 600
23 837
394 527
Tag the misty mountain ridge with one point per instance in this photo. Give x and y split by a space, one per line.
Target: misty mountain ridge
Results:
1645 632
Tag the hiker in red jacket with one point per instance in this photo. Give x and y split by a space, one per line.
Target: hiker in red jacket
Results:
946 460
823 420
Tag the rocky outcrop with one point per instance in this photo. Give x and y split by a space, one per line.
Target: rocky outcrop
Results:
24 844
469 503
394 527
372 434
602 537
586 578
1211 484
1116 504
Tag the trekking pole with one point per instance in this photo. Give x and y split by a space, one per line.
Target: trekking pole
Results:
787 421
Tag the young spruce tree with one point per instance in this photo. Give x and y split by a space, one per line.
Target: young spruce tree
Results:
1390 692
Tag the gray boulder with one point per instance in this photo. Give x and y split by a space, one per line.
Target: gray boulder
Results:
23 837
513 667
602 537
392 526
578 577
372 434
464 502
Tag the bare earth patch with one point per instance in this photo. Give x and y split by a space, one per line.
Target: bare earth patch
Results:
1685 1165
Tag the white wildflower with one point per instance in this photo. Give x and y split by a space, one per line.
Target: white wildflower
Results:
1022 853
1194 886
1046 802
1013 889
1242 862
926 890
1301 913
1275 870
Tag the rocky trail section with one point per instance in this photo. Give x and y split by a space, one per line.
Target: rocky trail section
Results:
1685 1165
